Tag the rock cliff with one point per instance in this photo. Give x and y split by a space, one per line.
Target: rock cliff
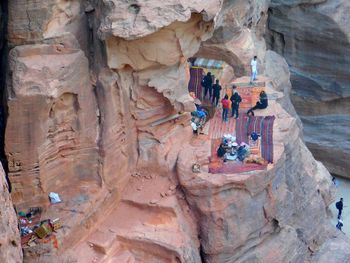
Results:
10 243
314 36
86 82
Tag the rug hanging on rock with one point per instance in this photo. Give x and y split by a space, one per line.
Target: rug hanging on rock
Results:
262 125
194 85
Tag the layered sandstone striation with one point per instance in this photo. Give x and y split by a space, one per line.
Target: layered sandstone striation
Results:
89 85
10 243
313 36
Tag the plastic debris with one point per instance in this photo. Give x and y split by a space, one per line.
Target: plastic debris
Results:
54 198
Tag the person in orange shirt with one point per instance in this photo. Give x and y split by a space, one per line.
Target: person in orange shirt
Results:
225 108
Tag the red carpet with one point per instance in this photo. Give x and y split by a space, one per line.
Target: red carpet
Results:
218 128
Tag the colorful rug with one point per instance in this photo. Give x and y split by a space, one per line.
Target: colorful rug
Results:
262 125
217 166
194 84
218 128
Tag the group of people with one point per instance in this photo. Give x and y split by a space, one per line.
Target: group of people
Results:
213 90
232 103
236 99
229 150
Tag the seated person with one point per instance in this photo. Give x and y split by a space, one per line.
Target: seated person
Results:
261 104
221 151
243 152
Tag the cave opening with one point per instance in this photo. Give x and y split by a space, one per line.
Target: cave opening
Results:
3 73
198 67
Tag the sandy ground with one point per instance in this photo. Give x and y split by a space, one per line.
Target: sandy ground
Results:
343 190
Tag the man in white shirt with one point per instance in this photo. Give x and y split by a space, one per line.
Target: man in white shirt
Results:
254 68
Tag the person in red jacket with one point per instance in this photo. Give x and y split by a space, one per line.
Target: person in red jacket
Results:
225 108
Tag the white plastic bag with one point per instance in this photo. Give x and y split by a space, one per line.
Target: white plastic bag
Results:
54 198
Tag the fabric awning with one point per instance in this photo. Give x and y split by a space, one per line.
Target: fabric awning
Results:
208 63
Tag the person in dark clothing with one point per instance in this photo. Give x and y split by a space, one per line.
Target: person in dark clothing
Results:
207 83
339 206
340 224
216 93
221 151
236 100
261 104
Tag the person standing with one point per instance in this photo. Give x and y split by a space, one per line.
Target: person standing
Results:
340 224
216 93
254 69
225 108
339 206
207 83
236 100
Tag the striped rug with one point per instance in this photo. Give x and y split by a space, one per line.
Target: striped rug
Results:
194 84
262 125
217 128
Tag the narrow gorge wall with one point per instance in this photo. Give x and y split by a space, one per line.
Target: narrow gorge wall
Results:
85 81
314 38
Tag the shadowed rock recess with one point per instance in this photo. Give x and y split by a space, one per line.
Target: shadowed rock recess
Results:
85 82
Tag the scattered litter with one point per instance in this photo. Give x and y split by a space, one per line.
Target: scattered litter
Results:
34 230
54 198
44 230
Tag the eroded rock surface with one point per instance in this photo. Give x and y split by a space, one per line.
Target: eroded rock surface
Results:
83 121
10 243
259 216
52 123
314 37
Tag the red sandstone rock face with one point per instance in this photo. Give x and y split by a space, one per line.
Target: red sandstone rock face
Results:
10 243
260 216
80 123
52 123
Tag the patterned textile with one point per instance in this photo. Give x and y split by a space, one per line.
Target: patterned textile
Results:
217 128
261 125
209 63
217 165
196 75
